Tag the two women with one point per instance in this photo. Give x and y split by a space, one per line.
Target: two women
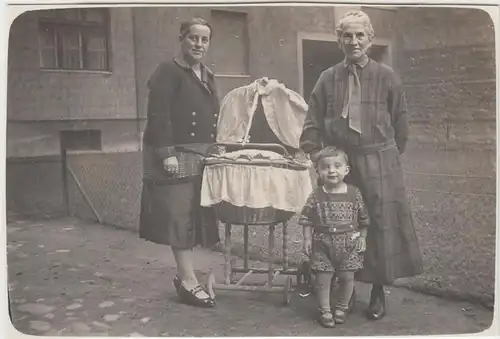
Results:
182 117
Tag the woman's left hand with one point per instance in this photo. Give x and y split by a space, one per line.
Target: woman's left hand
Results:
361 244
171 165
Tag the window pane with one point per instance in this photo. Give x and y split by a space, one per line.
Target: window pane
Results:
96 61
70 39
95 49
71 59
48 50
49 58
47 36
70 49
96 43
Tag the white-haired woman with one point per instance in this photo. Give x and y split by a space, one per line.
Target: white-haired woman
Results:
359 105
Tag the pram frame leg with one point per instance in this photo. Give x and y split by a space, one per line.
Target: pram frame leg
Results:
227 255
285 245
245 239
230 266
270 275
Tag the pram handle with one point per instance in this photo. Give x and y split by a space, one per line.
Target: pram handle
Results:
232 146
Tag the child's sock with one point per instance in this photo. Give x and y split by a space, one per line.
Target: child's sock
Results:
323 281
344 292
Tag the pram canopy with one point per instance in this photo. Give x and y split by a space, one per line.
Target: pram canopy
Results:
259 178
284 110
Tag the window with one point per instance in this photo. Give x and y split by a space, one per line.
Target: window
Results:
229 46
74 39
81 140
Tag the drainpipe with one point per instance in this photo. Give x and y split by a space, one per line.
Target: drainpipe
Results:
137 108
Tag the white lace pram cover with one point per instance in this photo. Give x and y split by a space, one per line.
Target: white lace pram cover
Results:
255 186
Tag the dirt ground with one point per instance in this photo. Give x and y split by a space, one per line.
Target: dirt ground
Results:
69 277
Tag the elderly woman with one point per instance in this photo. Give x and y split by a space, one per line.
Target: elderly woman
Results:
359 105
182 115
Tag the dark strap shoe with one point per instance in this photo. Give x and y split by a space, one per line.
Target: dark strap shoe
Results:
190 297
376 310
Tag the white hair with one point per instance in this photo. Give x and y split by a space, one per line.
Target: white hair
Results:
355 16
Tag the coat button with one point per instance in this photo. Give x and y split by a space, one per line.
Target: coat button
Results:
216 115
193 123
192 134
193 114
215 125
212 135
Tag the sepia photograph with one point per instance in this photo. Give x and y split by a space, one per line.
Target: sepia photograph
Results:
237 169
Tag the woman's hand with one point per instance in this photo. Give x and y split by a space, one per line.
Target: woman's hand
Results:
361 244
171 165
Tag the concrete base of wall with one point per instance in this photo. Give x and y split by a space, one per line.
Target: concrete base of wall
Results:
34 186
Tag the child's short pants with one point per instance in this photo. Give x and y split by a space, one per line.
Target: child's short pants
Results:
332 252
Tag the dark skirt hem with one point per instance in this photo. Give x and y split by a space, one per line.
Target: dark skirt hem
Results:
171 215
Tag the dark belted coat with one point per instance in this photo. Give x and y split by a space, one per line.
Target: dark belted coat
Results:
182 121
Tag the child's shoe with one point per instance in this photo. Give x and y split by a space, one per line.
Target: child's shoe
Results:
340 317
326 319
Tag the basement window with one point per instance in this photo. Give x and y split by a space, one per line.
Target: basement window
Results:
81 140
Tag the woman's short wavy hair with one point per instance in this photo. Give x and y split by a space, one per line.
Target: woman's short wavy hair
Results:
355 16
186 25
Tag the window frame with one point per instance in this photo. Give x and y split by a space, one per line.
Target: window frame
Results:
60 25
245 39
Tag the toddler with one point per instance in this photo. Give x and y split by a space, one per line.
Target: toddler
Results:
335 225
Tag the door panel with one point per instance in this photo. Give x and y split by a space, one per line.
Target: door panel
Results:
317 57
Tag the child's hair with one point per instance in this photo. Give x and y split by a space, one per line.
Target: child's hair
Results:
331 151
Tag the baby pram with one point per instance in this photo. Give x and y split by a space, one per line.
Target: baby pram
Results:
256 175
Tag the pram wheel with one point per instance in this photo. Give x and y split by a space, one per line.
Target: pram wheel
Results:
287 290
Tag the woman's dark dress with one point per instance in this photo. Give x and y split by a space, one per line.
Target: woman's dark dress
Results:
392 246
182 117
